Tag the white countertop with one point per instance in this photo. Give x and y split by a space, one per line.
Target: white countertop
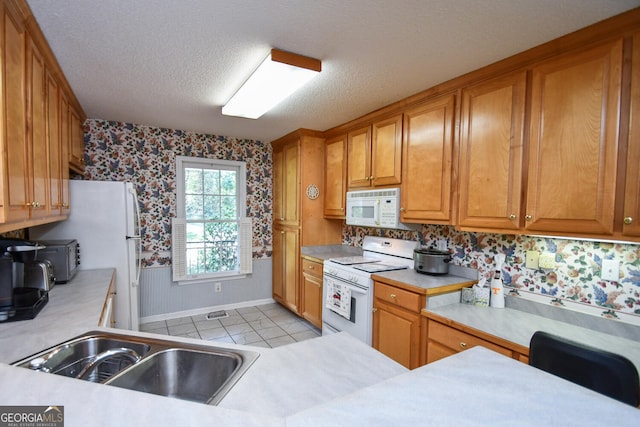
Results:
73 308
331 380
476 387
518 327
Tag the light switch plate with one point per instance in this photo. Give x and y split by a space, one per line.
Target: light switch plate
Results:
547 260
531 260
610 270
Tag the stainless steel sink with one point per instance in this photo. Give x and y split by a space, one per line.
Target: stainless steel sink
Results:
185 371
185 374
71 358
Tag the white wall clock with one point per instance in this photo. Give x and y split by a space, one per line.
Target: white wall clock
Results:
312 191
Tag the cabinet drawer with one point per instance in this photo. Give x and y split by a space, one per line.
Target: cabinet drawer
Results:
459 341
312 268
397 296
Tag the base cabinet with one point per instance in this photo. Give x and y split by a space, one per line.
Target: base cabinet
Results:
311 291
285 266
107 318
397 323
443 338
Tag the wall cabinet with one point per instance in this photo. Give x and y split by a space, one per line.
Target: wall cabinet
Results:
76 141
374 154
335 177
396 323
427 162
631 212
298 213
575 108
34 141
491 153
15 183
443 338
311 291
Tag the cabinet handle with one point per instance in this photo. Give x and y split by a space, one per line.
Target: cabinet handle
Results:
281 219
310 267
512 216
282 232
394 296
401 209
528 217
628 220
371 178
373 310
463 345
34 204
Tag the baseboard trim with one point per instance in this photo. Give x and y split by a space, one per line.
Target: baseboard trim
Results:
204 310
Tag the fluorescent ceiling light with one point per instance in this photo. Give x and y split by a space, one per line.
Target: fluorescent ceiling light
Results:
279 75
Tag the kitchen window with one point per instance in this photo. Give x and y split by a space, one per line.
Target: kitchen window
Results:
211 237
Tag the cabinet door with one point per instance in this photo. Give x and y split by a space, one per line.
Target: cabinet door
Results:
65 135
427 162
491 153
335 178
36 137
386 151
56 164
574 141
396 333
359 158
15 182
286 178
311 299
286 259
76 141
631 219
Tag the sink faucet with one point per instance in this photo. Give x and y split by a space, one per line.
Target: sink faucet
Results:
105 355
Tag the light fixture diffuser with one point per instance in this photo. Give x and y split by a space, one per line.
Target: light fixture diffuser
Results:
277 77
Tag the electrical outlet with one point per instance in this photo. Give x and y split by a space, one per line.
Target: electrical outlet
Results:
610 270
547 260
532 259
218 286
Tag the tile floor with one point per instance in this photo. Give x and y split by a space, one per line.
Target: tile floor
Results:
269 325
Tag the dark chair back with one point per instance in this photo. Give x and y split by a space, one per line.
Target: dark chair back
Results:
602 371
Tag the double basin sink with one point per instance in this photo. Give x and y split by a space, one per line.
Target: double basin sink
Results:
163 367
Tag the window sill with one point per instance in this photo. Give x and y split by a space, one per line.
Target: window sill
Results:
210 279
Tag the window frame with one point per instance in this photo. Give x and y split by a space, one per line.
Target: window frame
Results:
178 229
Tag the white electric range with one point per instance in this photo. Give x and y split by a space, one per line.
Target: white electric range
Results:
348 287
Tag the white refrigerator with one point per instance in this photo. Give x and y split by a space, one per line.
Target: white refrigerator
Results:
105 220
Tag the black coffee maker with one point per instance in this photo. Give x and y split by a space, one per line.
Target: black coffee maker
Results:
18 302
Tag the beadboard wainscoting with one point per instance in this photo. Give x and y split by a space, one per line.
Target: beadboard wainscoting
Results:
160 296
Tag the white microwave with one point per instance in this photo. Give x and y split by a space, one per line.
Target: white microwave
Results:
375 208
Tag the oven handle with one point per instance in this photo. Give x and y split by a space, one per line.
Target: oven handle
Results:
354 288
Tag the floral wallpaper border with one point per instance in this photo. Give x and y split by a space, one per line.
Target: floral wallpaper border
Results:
575 283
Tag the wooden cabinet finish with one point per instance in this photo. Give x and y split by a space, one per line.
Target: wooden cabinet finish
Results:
311 292
285 184
76 142
491 153
386 151
359 158
15 182
374 154
335 177
443 337
575 109
37 125
38 159
427 154
285 257
631 212
396 323
298 219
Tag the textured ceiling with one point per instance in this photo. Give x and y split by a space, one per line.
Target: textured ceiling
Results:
174 63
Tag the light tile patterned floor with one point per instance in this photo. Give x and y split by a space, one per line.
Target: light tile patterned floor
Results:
269 325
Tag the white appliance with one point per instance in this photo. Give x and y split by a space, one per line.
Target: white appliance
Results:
105 220
375 208
348 287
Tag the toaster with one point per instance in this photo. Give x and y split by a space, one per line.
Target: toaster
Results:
39 274
64 255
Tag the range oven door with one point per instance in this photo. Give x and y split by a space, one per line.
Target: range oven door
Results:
359 323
